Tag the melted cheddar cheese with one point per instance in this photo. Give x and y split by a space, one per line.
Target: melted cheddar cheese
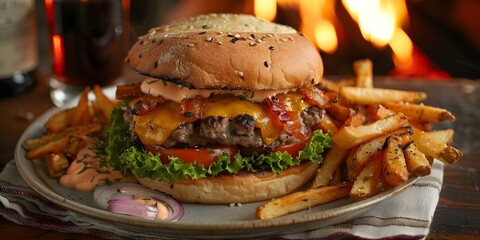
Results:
155 127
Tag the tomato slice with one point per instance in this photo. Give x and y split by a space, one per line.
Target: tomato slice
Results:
202 156
294 148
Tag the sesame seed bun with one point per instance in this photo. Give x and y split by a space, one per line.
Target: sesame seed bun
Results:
227 51
239 188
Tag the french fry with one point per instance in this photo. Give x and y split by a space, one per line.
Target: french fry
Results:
377 112
334 158
355 120
339 112
379 95
435 148
363 73
359 157
57 164
424 126
51 147
394 166
80 115
335 86
74 144
328 85
445 136
327 124
99 116
417 163
406 138
301 200
105 105
366 183
337 177
60 144
37 142
350 136
59 121
421 113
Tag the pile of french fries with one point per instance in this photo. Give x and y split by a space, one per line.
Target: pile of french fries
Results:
382 137
66 129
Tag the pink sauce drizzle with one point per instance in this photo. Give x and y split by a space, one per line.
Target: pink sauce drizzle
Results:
87 171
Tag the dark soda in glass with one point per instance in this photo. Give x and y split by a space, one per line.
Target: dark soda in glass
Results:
87 40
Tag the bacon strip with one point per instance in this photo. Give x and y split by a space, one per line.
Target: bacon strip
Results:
128 91
193 107
288 120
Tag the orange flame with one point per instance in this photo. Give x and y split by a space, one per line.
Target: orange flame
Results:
317 21
402 49
381 22
266 9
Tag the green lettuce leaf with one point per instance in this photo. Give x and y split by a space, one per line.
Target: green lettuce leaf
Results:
117 137
132 160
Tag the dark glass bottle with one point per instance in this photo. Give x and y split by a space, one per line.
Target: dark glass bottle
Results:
18 46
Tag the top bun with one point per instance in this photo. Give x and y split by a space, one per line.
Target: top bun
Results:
227 51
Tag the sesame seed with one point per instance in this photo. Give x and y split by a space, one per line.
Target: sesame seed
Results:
209 39
272 48
220 33
252 35
240 74
201 33
269 34
290 38
205 26
252 43
283 39
265 64
220 43
237 35
259 40
190 45
250 38
230 35
234 39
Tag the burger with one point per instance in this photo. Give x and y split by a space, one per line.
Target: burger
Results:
229 111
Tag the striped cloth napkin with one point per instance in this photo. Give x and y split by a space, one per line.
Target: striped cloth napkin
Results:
405 216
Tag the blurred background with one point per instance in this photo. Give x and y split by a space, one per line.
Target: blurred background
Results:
434 39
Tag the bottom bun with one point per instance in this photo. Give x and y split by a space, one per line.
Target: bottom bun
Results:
239 188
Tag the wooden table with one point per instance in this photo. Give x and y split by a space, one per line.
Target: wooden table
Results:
458 212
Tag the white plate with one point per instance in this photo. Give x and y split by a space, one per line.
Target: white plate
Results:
200 221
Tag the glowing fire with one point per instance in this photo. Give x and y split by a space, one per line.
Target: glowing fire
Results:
266 9
316 19
381 23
